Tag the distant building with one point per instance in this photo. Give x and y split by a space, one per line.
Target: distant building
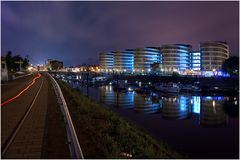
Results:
213 53
106 61
84 68
124 61
4 70
176 57
195 60
144 58
168 59
93 68
54 64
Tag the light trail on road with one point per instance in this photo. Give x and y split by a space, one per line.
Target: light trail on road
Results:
22 91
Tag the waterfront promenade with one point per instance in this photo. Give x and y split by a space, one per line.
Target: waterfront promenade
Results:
31 124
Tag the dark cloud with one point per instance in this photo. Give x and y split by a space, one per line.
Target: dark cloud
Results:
76 32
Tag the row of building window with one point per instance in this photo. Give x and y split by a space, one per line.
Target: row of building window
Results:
177 56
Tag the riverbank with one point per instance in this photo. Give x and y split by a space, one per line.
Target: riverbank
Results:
104 134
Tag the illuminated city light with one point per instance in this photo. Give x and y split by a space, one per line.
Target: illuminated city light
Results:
214 109
196 104
188 62
140 84
130 89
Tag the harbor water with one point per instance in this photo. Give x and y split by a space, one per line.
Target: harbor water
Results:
197 126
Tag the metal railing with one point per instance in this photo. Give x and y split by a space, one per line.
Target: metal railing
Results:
74 145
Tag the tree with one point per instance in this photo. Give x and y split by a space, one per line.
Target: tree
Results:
231 65
175 74
11 62
25 62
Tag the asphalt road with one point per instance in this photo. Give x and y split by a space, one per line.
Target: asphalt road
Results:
42 133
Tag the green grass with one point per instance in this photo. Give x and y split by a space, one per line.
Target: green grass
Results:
111 133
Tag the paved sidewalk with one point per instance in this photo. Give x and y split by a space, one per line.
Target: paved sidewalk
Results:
36 137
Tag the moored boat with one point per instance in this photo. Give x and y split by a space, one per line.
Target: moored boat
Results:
169 87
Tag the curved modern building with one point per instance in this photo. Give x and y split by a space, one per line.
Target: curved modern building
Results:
106 61
214 53
124 61
176 57
145 57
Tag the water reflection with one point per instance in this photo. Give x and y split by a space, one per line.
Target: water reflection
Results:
119 99
107 95
177 107
207 110
212 112
145 104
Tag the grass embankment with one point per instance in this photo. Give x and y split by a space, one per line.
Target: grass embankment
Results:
104 134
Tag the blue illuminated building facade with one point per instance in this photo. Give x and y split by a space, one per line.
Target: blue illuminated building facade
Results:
176 57
168 59
144 58
106 61
124 61
196 61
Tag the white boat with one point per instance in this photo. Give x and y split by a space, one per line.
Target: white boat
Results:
196 89
187 87
190 88
169 87
98 79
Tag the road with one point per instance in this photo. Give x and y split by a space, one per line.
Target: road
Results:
31 123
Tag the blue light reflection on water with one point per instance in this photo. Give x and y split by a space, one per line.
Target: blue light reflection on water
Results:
122 99
145 104
202 108
184 103
173 107
196 104
213 98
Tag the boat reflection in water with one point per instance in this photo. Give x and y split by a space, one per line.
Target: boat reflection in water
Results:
176 107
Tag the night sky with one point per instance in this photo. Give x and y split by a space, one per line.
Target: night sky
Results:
76 32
